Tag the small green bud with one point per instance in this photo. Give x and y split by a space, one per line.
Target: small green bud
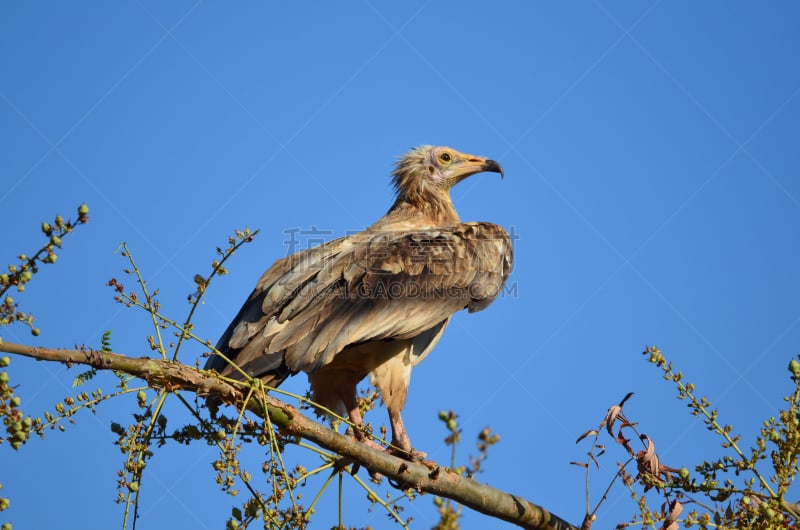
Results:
46 228
59 221
83 210
35 332
684 473
3 378
5 361
4 278
25 276
50 258
232 525
55 240
16 401
4 504
794 366
451 424
6 526
443 416
141 397
12 268
133 486
221 434
27 423
16 444
9 300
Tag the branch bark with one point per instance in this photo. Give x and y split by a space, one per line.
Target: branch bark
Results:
428 477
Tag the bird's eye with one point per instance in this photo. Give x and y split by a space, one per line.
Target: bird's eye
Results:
445 157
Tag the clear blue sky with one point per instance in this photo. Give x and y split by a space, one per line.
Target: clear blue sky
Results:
650 152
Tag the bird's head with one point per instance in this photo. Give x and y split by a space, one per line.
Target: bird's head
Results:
431 169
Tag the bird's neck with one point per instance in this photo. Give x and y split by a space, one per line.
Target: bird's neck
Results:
429 210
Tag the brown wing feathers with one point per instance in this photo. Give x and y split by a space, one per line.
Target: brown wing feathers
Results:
308 307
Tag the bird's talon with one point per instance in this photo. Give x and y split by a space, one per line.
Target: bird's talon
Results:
373 445
342 462
411 455
430 464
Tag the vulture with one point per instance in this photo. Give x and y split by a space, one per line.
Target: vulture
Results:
375 302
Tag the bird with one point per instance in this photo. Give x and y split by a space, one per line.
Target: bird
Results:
376 302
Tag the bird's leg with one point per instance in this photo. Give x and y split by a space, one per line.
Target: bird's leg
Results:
401 444
357 428
357 421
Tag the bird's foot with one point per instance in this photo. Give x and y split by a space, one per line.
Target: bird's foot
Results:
341 464
410 454
372 444
343 461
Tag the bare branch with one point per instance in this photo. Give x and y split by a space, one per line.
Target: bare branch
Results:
426 477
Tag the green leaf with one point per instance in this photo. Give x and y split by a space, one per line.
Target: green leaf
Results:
83 378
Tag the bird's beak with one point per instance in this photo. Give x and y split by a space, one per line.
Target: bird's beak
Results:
494 167
471 164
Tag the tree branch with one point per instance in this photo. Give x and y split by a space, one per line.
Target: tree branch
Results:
427 477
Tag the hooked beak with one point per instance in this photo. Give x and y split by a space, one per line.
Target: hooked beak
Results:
471 164
494 167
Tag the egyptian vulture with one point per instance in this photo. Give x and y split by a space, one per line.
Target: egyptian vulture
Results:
375 302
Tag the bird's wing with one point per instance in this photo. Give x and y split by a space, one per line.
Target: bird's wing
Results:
367 287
